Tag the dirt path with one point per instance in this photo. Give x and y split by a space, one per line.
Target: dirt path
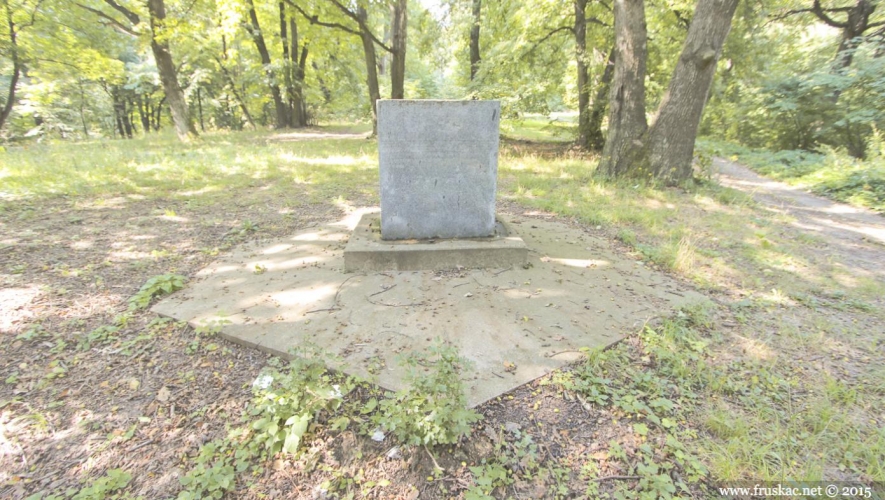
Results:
853 237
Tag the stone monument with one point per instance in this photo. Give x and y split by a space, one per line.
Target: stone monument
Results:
439 166
438 171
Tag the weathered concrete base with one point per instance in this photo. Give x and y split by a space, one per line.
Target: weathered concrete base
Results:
513 324
366 251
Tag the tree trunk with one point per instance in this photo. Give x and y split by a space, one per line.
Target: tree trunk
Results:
119 111
295 76
282 118
300 104
184 127
327 94
142 115
158 114
580 30
287 65
475 58
127 118
16 66
673 132
82 110
626 122
200 110
233 89
399 19
371 69
857 23
595 138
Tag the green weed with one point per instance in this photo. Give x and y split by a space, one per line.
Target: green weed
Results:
433 410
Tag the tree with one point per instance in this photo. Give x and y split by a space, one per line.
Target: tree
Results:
626 123
398 19
360 16
254 28
856 21
181 118
663 150
159 42
475 57
13 30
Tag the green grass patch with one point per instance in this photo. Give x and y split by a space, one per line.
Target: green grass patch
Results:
158 166
539 128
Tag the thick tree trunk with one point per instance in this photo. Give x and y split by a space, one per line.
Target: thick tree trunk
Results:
475 57
371 69
16 66
282 117
626 122
595 138
671 138
184 127
399 20
580 30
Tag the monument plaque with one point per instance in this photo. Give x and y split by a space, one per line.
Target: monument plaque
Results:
439 164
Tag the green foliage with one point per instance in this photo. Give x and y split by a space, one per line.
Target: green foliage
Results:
103 487
286 403
156 286
433 410
294 398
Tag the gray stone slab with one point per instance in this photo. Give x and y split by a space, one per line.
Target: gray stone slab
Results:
439 166
366 251
514 325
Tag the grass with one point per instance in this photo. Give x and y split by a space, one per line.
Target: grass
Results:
832 173
780 378
158 166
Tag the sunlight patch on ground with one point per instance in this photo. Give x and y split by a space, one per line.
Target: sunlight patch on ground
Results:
581 263
173 218
12 305
331 160
755 348
82 245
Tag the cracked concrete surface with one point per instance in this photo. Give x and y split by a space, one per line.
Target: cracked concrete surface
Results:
514 324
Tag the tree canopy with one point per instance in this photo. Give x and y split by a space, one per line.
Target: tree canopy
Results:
786 74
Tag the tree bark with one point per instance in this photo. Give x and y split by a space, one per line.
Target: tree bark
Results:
626 122
672 135
595 138
580 30
16 66
371 69
399 20
181 118
475 57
